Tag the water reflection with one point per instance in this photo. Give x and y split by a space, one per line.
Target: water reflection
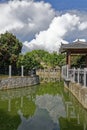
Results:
76 116
39 121
53 104
44 107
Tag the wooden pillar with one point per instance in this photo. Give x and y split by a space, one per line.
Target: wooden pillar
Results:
86 60
68 59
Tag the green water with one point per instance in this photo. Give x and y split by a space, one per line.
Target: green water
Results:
44 107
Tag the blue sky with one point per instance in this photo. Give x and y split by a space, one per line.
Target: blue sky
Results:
65 4
44 24
68 4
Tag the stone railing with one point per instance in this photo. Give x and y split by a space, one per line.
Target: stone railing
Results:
75 75
75 80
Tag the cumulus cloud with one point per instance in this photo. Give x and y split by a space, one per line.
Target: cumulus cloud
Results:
60 27
83 26
35 24
25 18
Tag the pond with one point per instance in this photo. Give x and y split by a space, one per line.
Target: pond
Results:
43 107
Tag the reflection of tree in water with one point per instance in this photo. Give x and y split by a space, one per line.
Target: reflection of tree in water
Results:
8 121
13 100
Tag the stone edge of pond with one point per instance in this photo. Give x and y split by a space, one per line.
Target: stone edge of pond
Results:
79 92
18 82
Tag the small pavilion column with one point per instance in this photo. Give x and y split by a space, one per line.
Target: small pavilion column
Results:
68 59
86 60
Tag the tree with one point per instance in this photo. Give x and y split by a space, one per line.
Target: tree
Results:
28 61
41 59
10 48
79 61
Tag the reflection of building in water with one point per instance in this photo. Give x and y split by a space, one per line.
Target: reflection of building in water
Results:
82 113
72 120
9 103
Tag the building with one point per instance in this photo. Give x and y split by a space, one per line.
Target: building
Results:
74 48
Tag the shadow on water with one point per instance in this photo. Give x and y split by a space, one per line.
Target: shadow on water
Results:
44 107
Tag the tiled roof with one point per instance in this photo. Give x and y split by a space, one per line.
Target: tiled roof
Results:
74 45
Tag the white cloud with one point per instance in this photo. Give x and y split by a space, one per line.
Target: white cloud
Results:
25 18
63 27
35 24
83 26
53 104
51 39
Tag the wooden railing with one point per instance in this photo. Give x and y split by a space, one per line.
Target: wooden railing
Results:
75 75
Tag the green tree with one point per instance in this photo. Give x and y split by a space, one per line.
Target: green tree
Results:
79 61
10 48
41 59
28 61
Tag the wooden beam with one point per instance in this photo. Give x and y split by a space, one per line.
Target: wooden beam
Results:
77 51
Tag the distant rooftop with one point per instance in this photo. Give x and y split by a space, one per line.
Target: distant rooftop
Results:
73 46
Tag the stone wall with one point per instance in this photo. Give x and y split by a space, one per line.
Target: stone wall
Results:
15 82
80 92
49 75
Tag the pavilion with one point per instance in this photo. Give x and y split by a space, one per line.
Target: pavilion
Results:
75 48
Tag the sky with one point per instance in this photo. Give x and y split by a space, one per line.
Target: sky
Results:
68 4
44 24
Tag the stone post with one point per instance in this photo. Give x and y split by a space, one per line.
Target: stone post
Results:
74 75
22 71
78 75
85 71
67 71
62 72
9 71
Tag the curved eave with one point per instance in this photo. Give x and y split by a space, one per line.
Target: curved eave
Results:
74 50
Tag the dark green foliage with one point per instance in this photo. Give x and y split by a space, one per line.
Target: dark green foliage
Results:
10 47
79 61
7 121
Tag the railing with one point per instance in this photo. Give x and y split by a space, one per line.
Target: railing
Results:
75 75
48 75
10 71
